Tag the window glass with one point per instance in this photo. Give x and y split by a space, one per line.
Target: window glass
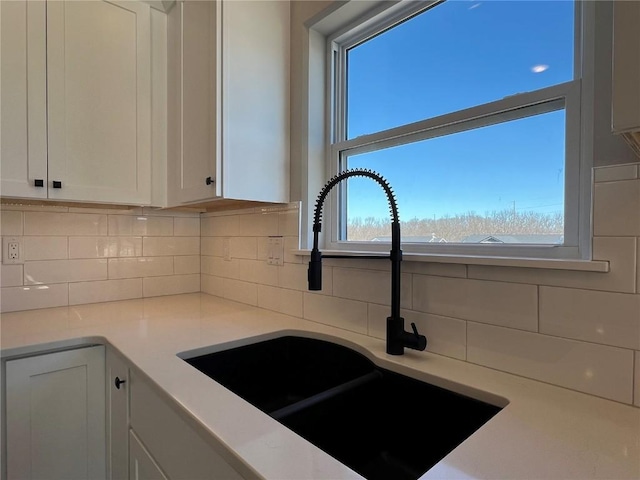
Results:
456 55
502 183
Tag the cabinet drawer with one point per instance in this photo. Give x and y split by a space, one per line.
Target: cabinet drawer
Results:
177 447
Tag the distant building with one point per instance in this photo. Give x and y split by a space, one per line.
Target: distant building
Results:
541 239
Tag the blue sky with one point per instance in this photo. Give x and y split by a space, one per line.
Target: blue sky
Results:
457 55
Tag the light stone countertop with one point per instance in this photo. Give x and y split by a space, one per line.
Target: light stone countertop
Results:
544 432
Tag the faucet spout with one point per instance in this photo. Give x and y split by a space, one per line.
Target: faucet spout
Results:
397 338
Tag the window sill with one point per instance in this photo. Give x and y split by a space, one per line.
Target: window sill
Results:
601 266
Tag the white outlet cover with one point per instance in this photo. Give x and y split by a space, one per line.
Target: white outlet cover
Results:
275 255
7 242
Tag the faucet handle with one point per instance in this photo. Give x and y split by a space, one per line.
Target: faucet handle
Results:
415 330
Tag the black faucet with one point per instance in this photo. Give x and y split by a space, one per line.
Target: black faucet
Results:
397 337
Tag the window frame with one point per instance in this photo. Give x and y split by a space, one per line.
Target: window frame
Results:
571 96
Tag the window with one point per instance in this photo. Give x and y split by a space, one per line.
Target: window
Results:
472 111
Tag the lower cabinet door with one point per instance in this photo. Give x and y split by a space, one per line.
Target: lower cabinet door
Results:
55 415
142 466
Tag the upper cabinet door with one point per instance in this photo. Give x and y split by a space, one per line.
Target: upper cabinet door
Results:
193 113
23 117
99 101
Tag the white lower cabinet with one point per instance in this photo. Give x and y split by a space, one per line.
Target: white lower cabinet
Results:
148 438
142 466
55 415
175 447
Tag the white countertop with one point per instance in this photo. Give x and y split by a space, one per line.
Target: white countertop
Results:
545 432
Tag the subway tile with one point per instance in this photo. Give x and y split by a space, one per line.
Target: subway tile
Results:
45 248
623 198
212 285
104 247
140 267
170 285
11 275
211 246
435 269
220 226
445 336
619 251
243 247
10 223
257 225
280 300
257 271
137 225
33 296
185 265
369 286
68 224
160 212
615 173
239 291
338 312
219 267
186 226
160 246
64 271
599 317
594 369
294 277
498 303
636 394
290 244
289 223
104 291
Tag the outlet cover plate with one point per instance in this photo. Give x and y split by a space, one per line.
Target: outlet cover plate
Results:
275 255
12 251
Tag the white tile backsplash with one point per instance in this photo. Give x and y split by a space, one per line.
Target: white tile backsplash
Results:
46 248
31 297
622 198
636 393
11 275
338 312
159 246
10 223
138 225
617 172
587 367
280 300
104 291
105 247
71 258
140 267
599 317
497 303
64 271
65 224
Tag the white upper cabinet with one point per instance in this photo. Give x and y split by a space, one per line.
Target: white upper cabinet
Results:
228 101
99 100
79 108
626 72
23 93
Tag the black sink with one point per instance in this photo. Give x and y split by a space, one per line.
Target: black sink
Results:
381 424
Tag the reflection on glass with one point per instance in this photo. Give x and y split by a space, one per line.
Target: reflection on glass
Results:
456 55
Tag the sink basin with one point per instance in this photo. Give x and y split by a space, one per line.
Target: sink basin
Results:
381 424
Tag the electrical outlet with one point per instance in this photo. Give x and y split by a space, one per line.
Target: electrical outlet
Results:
275 253
12 251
